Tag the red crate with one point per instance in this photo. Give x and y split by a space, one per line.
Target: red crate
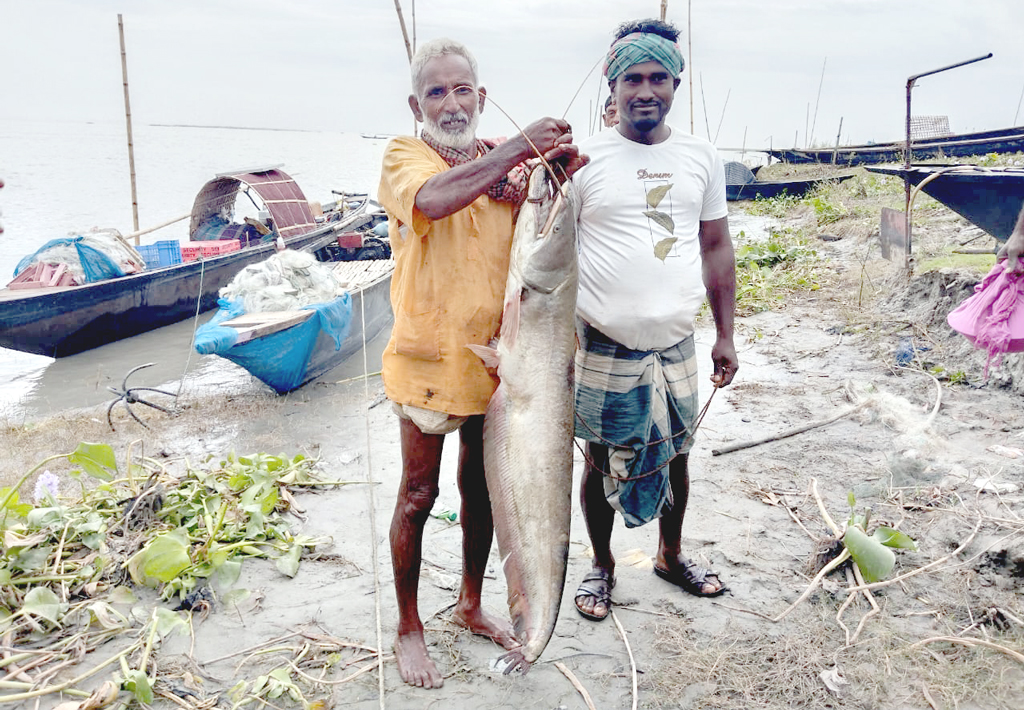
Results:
350 240
208 249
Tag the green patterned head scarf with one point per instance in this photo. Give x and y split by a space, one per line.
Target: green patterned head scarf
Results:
641 47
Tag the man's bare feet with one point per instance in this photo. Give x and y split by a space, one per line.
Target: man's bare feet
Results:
414 664
480 622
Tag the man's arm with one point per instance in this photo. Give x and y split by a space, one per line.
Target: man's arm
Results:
1015 245
719 267
450 191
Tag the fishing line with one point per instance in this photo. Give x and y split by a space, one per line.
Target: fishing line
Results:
195 327
689 438
582 84
536 150
371 485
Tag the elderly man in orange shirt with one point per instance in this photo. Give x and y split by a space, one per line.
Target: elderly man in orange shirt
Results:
450 199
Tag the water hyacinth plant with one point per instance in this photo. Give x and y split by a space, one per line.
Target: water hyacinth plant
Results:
64 562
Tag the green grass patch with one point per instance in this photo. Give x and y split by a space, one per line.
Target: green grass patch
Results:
980 263
767 271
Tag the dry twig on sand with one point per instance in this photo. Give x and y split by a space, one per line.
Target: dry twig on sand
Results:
576 684
632 661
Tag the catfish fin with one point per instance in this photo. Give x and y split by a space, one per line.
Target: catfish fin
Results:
510 320
487 354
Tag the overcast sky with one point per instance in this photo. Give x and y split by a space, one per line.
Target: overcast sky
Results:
340 65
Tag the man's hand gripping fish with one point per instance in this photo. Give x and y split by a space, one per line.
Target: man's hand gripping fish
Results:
528 429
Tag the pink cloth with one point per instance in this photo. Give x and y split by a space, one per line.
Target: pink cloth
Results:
992 318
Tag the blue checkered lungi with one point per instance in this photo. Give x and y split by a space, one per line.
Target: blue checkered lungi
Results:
642 405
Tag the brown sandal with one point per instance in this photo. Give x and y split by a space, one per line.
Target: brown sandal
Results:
691 577
598 583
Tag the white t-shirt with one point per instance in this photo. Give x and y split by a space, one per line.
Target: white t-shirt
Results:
637 285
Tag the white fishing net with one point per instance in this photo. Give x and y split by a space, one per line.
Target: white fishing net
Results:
287 280
107 241
911 422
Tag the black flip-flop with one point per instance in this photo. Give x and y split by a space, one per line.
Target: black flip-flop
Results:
691 578
598 583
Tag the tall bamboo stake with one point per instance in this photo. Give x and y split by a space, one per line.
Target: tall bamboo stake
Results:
405 33
689 52
128 121
704 102
822 81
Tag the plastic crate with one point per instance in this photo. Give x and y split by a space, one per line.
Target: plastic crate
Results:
170 252
208 249
150 254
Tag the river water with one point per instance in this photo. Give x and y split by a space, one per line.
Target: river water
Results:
65 178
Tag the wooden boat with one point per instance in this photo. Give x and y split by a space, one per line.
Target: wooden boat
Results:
1004 140
766 190
741 184
990 198
286 349
64 320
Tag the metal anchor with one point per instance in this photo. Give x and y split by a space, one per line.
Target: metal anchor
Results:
128 395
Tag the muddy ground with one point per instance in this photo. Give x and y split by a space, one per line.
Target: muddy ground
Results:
751 515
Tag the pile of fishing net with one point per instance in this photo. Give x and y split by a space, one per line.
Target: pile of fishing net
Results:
90 257
286 281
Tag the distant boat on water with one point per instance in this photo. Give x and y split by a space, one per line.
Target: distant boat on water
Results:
378 136
1004 140
62 320
741 184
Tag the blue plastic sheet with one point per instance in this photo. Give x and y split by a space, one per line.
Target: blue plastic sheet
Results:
280 359
96 265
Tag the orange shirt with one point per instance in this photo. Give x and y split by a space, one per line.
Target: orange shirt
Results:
447 290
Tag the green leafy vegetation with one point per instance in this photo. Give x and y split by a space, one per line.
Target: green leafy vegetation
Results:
66 562
767 271
873 554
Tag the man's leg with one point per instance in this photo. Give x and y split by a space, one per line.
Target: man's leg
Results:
670 527
477 534
421 467
600 518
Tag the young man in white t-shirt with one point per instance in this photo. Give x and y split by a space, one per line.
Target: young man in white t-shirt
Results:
653 241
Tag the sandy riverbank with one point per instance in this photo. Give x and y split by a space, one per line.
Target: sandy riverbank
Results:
806 360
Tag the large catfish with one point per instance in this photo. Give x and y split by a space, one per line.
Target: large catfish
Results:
528 429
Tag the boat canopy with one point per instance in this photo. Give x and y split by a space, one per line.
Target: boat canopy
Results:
280 193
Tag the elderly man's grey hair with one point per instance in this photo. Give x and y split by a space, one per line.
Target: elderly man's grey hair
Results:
438 48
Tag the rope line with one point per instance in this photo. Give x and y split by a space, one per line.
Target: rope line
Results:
195 327
373 509
611 445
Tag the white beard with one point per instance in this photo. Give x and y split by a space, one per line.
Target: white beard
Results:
460 134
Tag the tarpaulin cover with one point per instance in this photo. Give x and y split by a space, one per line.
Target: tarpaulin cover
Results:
96 265
279 359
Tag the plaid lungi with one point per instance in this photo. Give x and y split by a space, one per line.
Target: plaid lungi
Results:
642 405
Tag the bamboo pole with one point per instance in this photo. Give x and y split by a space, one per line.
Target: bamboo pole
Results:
405 33
139 232
839 135
720 120
817 101
664 9
128 122
704 102
689 53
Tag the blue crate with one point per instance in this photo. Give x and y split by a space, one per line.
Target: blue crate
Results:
150 254
170 252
